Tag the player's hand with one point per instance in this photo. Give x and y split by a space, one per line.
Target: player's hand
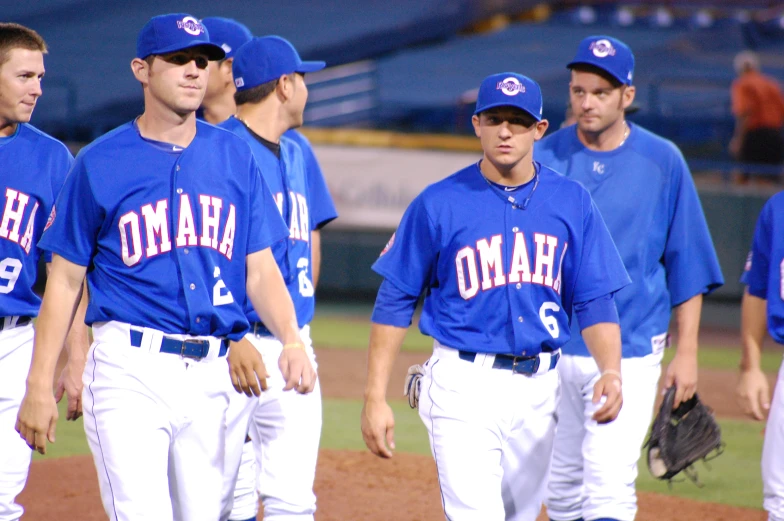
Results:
682 372
246 368
378 428
753 393
70 383
297 370
609 387
37 417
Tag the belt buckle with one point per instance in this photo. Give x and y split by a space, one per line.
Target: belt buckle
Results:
194 341
535 368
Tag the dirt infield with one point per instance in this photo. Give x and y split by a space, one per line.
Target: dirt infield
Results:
354 486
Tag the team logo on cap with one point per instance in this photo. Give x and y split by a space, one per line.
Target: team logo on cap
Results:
602 48
511 86
226 48
190 25
239 82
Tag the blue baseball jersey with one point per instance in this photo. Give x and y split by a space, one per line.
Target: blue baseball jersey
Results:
499 278
165 230
647 197
765 264
33 167
303 202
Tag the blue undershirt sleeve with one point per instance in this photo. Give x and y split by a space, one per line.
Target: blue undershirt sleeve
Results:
600 309
393 307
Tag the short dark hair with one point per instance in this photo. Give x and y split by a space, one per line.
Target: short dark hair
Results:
15 36
255 94
587 67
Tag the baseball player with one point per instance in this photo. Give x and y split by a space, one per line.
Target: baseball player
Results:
218 104
643 188
33 167
504 250
763 305
284 427
175 223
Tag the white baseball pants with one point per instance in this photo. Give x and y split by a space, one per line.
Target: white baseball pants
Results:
595 466
491 434
155 424
773 455
285 429
16 351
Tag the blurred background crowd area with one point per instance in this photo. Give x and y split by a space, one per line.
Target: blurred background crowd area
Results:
404 73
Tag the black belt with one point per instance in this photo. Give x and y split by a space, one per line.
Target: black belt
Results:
189 348
23 321
517 364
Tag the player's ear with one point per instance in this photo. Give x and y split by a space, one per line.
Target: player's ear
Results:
541 128
141 70
285 87
475 122
628 96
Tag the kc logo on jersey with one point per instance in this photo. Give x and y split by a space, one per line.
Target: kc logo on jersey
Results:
14 214
154 220
492 269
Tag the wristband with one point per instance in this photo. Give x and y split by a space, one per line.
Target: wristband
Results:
613 372
297 345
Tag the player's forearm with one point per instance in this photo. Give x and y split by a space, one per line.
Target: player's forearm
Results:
687 320
604 343
77 343
270 297
315 247
59 305
385 342
753 328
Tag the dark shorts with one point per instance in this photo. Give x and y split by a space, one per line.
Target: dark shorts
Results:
763 145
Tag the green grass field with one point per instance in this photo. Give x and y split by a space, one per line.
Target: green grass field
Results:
733 478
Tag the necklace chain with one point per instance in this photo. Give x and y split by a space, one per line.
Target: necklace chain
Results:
626 132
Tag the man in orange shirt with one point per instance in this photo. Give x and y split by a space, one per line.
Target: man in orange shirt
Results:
758 106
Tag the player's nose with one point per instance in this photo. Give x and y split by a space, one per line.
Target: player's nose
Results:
35 88
504 130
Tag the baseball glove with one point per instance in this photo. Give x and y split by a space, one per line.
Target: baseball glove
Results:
682 436
411 387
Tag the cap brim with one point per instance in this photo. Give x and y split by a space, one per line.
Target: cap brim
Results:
501 104
310 67
213 52
598 66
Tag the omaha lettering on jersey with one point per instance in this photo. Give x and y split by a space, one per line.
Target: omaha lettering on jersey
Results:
489 256
155 223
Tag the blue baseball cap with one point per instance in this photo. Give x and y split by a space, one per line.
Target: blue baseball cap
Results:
509 89
268 58
175 32
607 53
229 34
